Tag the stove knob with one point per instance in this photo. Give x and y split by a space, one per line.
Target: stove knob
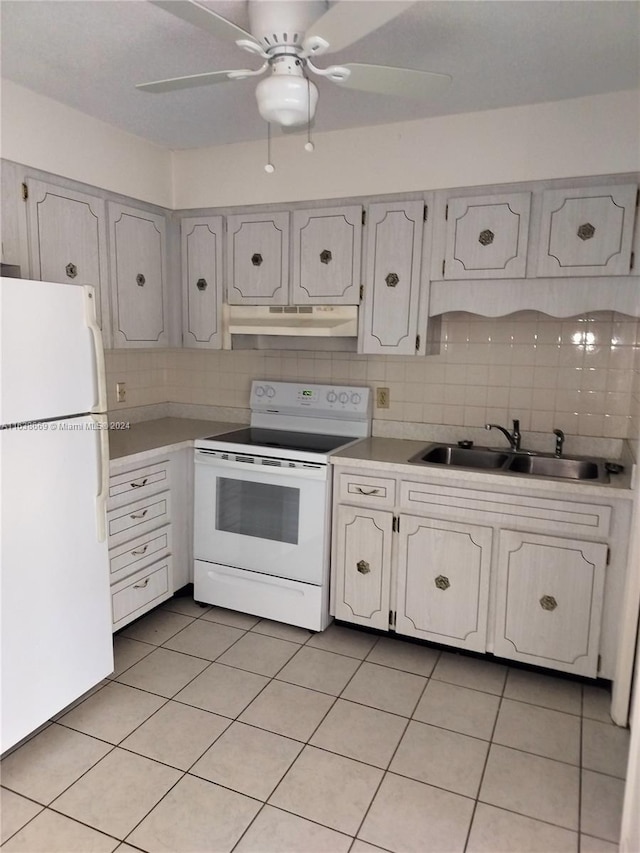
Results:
343 397
355 399
271 391
259 391
332 397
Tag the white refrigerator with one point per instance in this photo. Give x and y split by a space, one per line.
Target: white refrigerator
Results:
55 604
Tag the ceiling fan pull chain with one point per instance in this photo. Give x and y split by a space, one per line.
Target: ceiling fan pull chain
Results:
309 146
269 168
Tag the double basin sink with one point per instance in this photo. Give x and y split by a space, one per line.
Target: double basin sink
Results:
515 462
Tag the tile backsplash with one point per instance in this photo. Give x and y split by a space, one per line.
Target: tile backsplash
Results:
580 374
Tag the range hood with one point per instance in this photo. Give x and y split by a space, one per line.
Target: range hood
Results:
319 321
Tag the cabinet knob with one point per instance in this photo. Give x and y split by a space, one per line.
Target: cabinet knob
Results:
140 280
548 602
325 256
392 279
363 567
486 237
201 284
256 259
71 270
442 582
586 231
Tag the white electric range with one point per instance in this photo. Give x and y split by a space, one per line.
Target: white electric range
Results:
263 502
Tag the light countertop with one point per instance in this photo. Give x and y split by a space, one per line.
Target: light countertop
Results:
144 439
391 455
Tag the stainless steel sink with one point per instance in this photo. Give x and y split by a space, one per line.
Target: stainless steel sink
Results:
472 457
529 464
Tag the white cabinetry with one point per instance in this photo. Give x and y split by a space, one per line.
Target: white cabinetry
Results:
515 574
201 240
326 256
68 238
138 277
549 601
588 231
139 525
258 259
392 277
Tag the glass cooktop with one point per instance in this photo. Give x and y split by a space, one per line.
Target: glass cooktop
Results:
283 439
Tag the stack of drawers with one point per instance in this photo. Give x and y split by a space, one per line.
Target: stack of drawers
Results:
140 548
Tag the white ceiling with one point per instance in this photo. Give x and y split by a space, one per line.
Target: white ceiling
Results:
88 54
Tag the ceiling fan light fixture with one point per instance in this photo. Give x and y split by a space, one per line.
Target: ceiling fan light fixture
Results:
287 100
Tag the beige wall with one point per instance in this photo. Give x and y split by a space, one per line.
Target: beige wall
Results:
576 374
42 133
595 135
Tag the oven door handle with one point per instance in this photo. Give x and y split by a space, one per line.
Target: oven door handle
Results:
312 473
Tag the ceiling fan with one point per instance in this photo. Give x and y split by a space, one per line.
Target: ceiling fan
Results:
286 35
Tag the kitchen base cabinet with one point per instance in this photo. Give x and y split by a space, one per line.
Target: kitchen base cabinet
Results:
513 573
443 581
549 601
363 555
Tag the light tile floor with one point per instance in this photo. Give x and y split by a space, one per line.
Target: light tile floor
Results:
222 732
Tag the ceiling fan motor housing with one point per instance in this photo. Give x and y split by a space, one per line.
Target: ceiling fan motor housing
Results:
278 23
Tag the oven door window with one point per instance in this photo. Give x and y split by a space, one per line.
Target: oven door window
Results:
262 510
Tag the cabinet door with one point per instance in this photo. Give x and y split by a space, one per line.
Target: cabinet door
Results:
326 256
549 601
363 566
202 282
68 238
138 286
587 231
486 236
443 581
258 259
392 277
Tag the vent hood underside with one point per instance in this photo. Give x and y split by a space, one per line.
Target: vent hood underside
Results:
324 321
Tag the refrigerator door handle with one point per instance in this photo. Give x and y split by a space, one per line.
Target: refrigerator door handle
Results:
102 425
92 323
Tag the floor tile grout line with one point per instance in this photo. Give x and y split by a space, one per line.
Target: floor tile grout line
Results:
581 770
62 814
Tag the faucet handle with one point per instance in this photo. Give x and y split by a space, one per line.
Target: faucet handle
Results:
559 441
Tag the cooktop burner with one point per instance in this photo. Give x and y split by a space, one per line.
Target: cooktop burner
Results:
257 437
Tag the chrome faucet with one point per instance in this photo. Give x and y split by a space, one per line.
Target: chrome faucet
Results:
559 441
512 437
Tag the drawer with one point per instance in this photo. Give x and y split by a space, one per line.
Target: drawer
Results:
141 592
138 482
133 519
362 489
517 512
138 553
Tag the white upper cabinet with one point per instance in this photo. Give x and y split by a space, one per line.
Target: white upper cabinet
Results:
392 277
586 232
258 258
138 270
202 281
486 236
68 238
326 256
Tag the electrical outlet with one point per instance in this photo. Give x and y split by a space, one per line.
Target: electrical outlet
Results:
382 398
121 392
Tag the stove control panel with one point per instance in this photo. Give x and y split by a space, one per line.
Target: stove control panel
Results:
335 401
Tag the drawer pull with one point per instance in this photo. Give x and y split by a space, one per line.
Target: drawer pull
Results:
139 514
135 485
548 602
442 582
363 567
365 492
141 585
137 552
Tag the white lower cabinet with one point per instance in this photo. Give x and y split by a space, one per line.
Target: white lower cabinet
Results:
549 601
443 581
478 569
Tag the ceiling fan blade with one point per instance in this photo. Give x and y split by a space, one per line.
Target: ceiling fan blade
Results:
347 21
385 80
189 82
198 15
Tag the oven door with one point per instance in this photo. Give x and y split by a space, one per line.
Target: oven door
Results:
268 519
